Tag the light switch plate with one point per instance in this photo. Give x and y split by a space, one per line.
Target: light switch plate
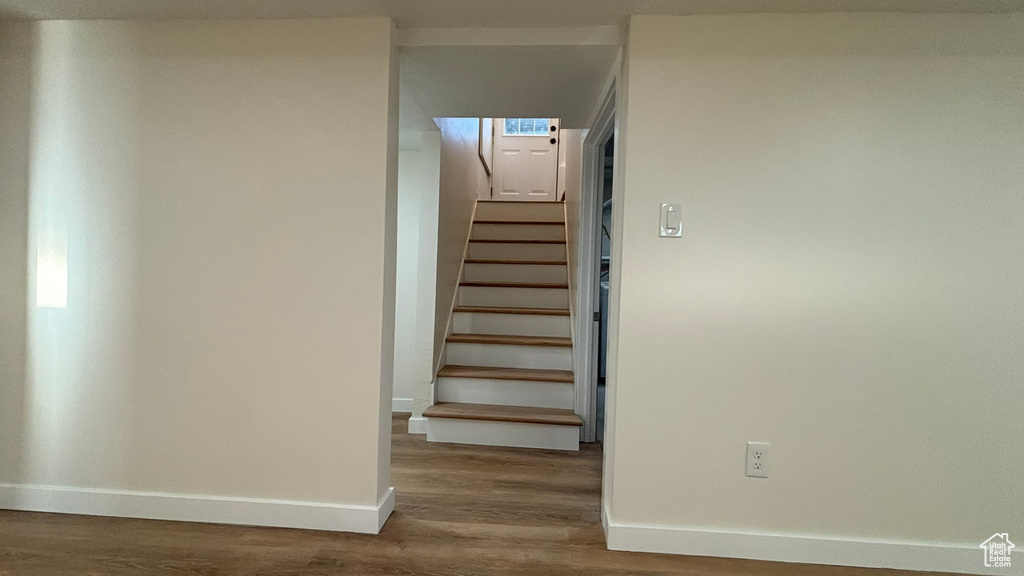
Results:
671 221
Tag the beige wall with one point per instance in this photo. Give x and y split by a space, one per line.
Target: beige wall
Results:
463 180
848 286
15 124
226 189
386 231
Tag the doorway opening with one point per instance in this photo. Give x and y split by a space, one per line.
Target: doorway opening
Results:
596 263
503 396
504 370
604 249
525 159
506 191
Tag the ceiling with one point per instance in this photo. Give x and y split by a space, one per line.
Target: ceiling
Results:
469 13
480 74
503 81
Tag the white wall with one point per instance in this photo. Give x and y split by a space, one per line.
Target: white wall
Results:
418 186
848 287
406 275
463 180
227 190
570 148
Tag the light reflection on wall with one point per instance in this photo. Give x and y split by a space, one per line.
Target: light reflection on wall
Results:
52 269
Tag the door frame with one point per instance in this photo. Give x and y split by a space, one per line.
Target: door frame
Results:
589 266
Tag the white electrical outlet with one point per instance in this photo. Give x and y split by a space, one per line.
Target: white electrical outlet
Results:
758 459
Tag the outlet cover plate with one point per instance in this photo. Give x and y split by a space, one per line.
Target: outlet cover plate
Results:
758 459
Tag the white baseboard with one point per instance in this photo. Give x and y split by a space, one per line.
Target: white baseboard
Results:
798 548
384 508
417 425
193 508
401 404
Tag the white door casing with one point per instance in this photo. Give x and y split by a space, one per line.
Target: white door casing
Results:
585 362
525 166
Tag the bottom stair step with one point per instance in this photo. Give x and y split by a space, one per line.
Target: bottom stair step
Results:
494 425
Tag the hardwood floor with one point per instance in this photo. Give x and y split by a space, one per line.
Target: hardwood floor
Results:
460 510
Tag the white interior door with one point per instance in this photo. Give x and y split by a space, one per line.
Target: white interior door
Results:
525 159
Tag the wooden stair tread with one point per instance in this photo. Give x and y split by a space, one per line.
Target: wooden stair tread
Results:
509 241
522 201
511 310
514 285
524 262
558 341
497 413
532 374
518 222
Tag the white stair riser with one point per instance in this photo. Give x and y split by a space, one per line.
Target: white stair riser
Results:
517 324
506 392
514 297
542 273
518 232
538 211
509 356
512 251
515 434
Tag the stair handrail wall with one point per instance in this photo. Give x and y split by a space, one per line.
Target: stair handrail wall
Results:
441 358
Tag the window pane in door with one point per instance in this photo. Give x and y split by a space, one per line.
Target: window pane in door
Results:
526 126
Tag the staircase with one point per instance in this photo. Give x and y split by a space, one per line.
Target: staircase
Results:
507 379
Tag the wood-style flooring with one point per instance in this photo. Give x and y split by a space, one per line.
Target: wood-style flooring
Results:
460 510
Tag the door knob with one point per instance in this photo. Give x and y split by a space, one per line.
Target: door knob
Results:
553 140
